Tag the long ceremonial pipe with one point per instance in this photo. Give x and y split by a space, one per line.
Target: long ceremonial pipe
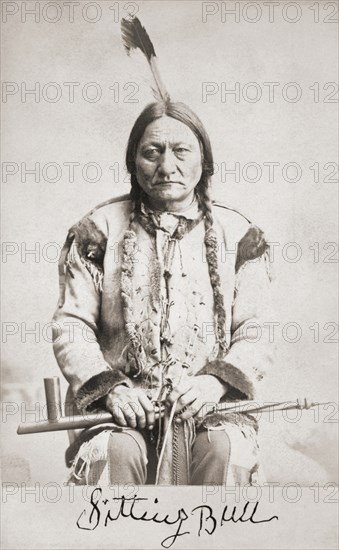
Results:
56 422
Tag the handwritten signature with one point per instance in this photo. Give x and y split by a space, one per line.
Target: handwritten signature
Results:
101 515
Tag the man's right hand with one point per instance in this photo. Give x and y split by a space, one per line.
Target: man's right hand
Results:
130 407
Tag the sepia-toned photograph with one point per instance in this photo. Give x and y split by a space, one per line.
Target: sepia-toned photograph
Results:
169 372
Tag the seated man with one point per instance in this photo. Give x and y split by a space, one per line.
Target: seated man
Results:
165 293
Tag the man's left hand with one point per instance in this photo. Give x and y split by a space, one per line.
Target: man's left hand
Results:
193 393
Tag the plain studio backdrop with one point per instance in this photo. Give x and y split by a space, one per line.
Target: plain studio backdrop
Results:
261 83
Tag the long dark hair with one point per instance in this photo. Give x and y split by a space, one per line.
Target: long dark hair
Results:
184 114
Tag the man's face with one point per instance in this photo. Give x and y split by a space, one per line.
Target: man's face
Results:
168 163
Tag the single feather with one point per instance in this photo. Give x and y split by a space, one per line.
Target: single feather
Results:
135 36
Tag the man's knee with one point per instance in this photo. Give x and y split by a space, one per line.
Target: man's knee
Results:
127 457
127 446
214 443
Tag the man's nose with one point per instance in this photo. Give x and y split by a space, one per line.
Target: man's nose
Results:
167 164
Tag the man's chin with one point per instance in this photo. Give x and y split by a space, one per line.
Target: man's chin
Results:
167 201
168 195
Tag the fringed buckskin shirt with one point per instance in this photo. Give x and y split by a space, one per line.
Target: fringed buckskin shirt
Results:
172 318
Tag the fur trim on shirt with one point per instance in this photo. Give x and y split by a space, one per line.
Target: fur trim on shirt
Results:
98 386
251 246
232 376
90 240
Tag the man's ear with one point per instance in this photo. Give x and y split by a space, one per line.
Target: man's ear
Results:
208 168
131 168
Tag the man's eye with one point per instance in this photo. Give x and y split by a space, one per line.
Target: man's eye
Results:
151 153
181 152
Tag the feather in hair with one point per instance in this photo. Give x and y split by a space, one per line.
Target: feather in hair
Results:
134 36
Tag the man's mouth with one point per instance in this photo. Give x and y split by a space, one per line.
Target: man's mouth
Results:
168 182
